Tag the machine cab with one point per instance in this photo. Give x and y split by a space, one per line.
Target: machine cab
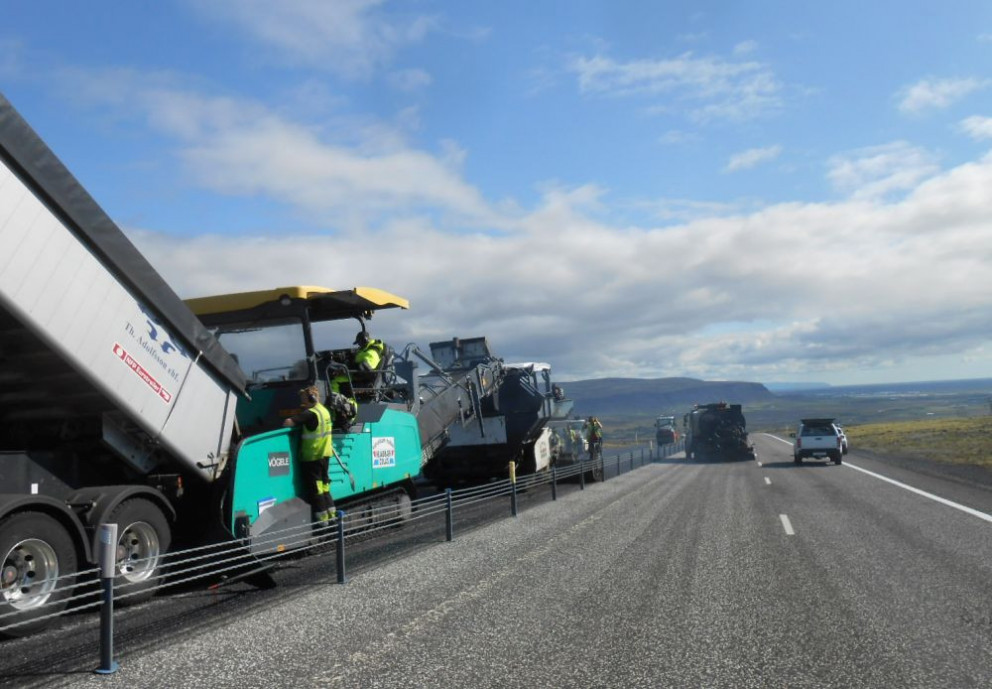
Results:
291 337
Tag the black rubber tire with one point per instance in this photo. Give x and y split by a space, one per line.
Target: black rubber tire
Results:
45 532
144 533
596 475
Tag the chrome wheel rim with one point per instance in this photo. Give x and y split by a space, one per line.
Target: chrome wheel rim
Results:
29 574
138 551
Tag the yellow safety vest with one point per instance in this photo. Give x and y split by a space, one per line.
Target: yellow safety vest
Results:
316 444
370 353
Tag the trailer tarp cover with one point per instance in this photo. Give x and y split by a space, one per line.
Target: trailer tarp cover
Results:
39 168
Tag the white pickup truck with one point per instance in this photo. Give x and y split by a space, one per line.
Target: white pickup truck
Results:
817 438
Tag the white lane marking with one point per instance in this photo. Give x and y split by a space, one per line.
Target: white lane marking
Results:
787 525
931 496
760 464
768 481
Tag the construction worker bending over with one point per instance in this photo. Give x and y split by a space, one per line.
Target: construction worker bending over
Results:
343 405
315 452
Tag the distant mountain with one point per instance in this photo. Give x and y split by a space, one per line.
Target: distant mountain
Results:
673 396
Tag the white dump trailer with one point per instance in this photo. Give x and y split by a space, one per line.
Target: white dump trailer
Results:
115 401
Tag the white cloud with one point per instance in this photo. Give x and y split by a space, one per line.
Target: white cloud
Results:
977 127
938 93
868 281
706 88
752 157
773 293
352 38
353 173
879 170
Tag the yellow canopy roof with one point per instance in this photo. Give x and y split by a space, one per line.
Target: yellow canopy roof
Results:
323 303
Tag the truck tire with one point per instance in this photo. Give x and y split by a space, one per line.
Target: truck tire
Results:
836 457
38 563
143 537
597 471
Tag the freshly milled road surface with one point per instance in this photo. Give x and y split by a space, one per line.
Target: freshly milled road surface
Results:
754 574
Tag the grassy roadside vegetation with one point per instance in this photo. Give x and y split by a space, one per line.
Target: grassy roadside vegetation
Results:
957 441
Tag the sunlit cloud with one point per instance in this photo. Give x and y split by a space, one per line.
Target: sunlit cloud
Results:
705 88
977 127
352 38
932 94
880 170
752 157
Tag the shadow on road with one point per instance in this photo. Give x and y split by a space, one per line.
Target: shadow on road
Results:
807 464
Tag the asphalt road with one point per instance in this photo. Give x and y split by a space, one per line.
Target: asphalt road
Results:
753 574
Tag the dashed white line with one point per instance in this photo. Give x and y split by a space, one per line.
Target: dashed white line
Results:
923 493
768 481
787 525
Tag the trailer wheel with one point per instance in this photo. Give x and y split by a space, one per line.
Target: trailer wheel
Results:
143 537
39 561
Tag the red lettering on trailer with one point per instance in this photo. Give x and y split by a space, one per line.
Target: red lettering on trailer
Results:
140 371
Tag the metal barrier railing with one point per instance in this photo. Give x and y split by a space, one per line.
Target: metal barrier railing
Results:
102 586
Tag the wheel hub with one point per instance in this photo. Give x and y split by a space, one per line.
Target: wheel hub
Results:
9 575
30 573
137 552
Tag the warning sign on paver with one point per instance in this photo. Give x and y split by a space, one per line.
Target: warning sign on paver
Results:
383 453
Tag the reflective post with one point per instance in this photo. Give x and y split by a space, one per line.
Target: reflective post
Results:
108 565
342 576
513 488
449 520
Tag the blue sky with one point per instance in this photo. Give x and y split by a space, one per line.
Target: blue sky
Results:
768 191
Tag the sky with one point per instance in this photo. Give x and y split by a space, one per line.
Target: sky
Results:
770 191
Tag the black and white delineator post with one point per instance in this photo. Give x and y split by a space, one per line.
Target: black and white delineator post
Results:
108 567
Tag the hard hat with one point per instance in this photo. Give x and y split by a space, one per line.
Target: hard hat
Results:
362 337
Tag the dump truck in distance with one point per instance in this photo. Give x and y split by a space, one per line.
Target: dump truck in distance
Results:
717 432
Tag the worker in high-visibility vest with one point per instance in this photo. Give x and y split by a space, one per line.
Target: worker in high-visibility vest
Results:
315 453
370 351
594 435
343 405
